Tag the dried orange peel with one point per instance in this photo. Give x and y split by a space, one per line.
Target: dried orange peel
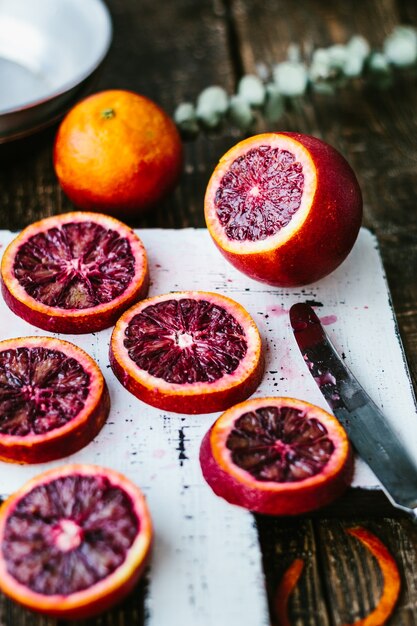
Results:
391 577
390 590
285 588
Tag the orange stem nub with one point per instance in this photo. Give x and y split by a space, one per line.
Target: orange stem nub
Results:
107 114
390 574
285 587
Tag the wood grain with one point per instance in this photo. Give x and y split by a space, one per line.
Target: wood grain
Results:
348 565
292 539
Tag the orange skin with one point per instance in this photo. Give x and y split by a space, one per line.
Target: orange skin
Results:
285 588
390 592
191 405
75 434
327 235
105 593
117 152
391 575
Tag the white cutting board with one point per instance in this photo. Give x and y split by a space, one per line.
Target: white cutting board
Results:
206 568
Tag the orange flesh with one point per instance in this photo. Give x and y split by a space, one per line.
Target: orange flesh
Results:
75 265
259 194
391 577
279 444
185 341
285 588
40 389
75 531
68 536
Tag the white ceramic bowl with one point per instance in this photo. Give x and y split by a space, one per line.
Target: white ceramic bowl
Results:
48 50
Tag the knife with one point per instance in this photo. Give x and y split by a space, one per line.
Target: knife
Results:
367 428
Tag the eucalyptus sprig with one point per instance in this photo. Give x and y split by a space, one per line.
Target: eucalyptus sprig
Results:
269 92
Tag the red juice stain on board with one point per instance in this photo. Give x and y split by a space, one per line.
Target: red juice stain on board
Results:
326 320
276 311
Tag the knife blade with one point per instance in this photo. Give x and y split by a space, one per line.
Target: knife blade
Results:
368 429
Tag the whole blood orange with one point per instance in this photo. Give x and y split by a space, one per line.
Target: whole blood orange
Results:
74 273
53 399
117 152
283 208
278 456
188 352
73 541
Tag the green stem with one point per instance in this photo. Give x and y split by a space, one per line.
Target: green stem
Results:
107 114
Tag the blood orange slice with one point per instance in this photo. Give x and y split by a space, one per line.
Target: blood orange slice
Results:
74 541
188 352
74 273
278 456
53 399
284 208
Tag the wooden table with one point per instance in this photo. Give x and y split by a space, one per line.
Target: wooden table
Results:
169 51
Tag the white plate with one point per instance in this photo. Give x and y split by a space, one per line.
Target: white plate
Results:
48 49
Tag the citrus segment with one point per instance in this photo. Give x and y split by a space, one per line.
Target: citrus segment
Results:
391 578
189 352
53 399
74 273
284 208
278 456
74 541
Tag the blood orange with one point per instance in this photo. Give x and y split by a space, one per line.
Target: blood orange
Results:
278 456
74 541
53 399
74 273
189 352
117 152
283 208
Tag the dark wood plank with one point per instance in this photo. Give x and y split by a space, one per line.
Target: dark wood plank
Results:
282 542
347 566
341 581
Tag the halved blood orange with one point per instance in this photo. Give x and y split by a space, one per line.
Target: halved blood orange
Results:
284 208
188 352
74 273
278 456
53 399
73 541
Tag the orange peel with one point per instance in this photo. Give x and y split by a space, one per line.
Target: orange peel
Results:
284 590
391 576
